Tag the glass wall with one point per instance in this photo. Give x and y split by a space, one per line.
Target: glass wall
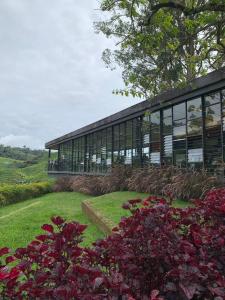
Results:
167 137
65 156
194 133
213 138
187 134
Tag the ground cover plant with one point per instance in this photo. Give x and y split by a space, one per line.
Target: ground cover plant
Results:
159 252
20 222
171 181
110 205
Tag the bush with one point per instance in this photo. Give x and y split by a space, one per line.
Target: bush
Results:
95 185
158 253
15 193
173 182
166 181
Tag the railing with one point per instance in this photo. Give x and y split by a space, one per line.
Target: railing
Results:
53 166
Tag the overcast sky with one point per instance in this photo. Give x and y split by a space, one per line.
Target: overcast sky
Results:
52 79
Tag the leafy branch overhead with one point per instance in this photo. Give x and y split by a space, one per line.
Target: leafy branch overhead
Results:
163 44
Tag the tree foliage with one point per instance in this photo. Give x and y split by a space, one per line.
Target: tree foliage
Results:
163 44
24 153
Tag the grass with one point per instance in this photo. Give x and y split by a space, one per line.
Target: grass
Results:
21 222
110 205
11 171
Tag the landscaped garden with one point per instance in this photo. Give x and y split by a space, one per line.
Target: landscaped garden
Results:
160 251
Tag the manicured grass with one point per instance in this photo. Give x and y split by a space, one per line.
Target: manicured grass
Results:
110 205
21 222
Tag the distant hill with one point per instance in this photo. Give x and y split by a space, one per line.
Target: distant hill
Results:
25 154
22 165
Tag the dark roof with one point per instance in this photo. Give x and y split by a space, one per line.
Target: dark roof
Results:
215 79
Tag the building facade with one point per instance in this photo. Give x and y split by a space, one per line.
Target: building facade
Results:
182 127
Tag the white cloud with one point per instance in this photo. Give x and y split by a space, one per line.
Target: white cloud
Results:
52 78
19 141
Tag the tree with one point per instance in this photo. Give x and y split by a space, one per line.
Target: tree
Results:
163 44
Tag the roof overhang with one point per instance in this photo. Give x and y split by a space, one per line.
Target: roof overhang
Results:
214 80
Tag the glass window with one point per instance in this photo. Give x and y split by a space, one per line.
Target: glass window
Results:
167 125
194 108
155 118
223 97
155 158
179 111
167 113
180 158
168 145
212 99
179 131
194 127
195 155
213 115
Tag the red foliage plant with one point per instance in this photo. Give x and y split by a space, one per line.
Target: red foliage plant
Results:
159 252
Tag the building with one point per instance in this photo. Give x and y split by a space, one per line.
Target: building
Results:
183 127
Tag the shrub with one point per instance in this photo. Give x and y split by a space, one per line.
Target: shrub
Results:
15 193
96 185
173 182
166 181
63 184
158 253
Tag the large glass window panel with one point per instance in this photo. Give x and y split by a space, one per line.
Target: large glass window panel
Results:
167 126
194 127
195 155
109 148
213 147
129 142
223 97
194 109
168 145
179 111
65 160
167 113
180 158
136 159
212 99
213 115
155 118
155 158
179 131
167 130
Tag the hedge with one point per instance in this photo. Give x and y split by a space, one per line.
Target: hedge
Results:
18 192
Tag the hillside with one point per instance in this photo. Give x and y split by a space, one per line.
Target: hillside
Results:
32 168
12 171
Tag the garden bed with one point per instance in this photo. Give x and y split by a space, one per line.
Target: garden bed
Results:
106 211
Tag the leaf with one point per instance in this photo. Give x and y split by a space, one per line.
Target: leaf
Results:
48 228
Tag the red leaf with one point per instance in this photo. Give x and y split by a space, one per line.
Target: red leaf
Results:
57 220
48 228
10 259
4 251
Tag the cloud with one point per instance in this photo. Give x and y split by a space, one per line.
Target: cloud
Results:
19 141
52 78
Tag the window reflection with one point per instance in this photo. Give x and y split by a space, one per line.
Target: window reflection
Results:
194 108
213 115
194 127
179 111
212 99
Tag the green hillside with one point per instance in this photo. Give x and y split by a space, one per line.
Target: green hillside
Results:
18 171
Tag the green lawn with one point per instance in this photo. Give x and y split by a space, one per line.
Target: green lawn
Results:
110 205
21 222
